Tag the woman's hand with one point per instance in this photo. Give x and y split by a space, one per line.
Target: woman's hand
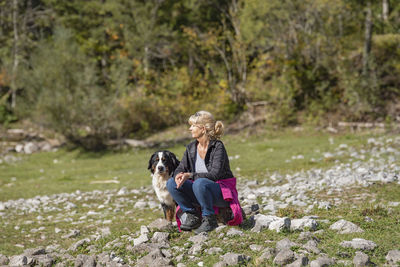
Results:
180 178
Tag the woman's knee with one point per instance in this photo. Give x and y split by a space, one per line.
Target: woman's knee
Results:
201 185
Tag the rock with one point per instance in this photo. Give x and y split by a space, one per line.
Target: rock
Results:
285 244
85 261
160 237
284 257
123 191
234 232
15 135
199 238
361 259
393 257
44 260
345 227
144 230
140 205
154 258
103 258
305 236
280 225
302 224
143 238
213 250
3 260
235 259
18 260
359 243
160 225
255 247
220 264
322 261
34 251
300 261
79 244
72 234
266 255
30 148
311 246
262 222
196 249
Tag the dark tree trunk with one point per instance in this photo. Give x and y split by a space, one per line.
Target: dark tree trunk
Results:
368 38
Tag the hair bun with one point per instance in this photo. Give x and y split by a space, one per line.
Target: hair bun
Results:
219 129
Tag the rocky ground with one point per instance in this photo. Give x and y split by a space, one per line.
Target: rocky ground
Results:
154 243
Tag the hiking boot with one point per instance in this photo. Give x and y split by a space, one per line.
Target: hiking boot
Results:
208 224
189 221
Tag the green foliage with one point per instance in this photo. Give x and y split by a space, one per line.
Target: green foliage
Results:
6 116
149 64
64 87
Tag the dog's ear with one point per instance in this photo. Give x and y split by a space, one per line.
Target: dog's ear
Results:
151 161
174 160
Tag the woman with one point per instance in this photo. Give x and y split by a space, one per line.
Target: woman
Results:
204 178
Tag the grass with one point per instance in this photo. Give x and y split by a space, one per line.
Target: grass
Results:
254 156
67 171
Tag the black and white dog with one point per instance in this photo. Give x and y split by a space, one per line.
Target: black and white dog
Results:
162 165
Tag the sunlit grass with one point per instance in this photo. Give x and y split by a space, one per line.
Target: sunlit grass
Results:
253 157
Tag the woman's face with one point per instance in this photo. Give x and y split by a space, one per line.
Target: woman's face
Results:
197 130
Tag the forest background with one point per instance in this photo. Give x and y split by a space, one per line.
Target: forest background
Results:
97 70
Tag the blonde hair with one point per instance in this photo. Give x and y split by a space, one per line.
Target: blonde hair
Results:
214 129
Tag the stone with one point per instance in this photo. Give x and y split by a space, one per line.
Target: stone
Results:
285 243
280 225
359 243
255 247
235 259
85 261
160 225
140 205
266 255
79 244
305 236
144 230
160 237
361 259
3 260
393 257
30 148
44 260
262 222
143 238
199 238
196 249
300 261
213 250
284 257
311 246
72 234
345 227
154 258
34 251
220 264
302 224
234 232
322 261
18 260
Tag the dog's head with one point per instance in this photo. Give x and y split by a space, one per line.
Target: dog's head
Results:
163 162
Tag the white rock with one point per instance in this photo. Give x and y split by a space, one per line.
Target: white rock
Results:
345 227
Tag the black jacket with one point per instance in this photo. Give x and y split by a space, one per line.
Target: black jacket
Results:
216 160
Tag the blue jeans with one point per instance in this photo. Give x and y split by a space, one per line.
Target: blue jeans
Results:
203 192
